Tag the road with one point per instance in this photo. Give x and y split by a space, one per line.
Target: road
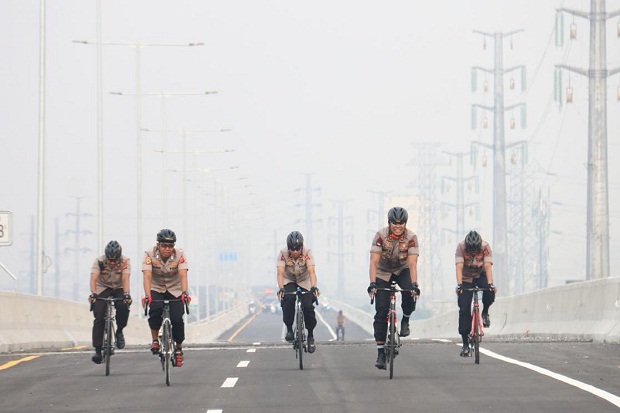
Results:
253 370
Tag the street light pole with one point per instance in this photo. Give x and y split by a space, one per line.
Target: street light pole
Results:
138 47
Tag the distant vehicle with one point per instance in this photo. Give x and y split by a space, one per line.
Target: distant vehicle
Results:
252 307
271 305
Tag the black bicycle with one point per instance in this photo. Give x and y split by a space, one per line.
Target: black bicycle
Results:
167 345
476 332
299 340
109 331
392 342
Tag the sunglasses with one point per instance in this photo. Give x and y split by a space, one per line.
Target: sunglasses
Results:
397 223
113 262
162 245
296 248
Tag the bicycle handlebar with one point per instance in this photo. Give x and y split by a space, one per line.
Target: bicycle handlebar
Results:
393 289
299 291
170 300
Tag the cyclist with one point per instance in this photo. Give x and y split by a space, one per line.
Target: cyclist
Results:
165 277
295 268
474 267
109 277
393 257
340 320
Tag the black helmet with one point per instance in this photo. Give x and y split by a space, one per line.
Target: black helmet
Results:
397 215
166 235
473 242
113 250
295 241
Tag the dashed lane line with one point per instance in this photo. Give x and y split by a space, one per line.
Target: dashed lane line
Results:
230 382
16 362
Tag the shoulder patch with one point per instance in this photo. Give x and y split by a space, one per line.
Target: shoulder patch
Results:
411 243
148 261
182 260
379 242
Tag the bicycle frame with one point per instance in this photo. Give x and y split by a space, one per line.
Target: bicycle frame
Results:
392 343
299 342
167 345
109 332
477 331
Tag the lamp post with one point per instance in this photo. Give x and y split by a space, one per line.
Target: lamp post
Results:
138 47
164 96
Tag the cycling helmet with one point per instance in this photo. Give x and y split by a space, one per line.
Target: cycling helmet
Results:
473 242
397 215
113 250
295 241
166 235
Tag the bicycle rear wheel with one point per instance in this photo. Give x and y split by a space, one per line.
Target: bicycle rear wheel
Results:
301 343
107 340
392 344
167 349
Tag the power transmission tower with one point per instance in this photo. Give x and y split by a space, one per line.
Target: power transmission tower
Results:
77 250
340 222
498 147
428 236
542 218
597 223
460 206
309 204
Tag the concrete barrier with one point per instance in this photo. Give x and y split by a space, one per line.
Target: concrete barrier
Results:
30 322
587 310
583 310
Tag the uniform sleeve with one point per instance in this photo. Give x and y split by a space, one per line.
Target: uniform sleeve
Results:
183 261
487 253
95 268
126 266
377 243
147 263
458 255
412 246
281 260
309 258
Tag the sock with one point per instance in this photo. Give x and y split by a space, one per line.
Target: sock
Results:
465 340
98 350
380 349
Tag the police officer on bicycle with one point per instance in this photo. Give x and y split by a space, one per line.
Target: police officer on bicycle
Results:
109 277
474 267
295 268
393 257
165 278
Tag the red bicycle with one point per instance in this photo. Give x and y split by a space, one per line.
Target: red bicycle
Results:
477 332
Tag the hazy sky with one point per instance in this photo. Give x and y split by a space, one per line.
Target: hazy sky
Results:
343 90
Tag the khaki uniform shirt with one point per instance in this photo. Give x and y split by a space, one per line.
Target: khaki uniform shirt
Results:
473 265
165 275
394 251
108 277
296 270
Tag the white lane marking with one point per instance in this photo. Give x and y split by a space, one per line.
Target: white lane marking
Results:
256 343
230 382
611 398
243 363
329 328
214 411
251 350
442 340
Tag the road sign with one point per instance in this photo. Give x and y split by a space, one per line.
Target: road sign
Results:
6 227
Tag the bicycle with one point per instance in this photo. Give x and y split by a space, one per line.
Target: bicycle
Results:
109 331
392 342
477 331
299 332
167 345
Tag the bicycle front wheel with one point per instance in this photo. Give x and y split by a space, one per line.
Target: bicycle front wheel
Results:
476 337
301 342
107 340
392 344
167 349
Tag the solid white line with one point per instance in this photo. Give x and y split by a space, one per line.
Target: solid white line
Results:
251 350
611 398
214 411
230 382
243 363
329 327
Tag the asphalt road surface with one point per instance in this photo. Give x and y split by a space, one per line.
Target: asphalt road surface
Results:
253 370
